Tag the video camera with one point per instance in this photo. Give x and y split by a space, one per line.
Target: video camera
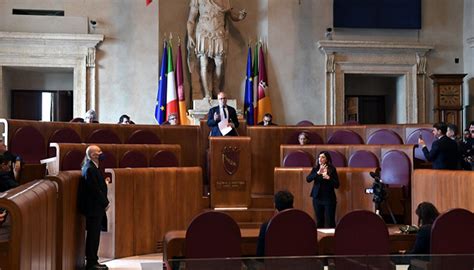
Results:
378 188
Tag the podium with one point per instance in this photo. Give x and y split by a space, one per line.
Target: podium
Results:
230 171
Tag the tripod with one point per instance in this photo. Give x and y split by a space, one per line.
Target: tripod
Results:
378 208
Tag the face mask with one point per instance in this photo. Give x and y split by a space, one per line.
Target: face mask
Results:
101 156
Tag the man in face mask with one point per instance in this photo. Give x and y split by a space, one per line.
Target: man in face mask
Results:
92 203
7 181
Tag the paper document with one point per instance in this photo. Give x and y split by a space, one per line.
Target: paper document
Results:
223 127
326 230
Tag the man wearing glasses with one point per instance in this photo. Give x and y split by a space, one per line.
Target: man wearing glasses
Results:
222 119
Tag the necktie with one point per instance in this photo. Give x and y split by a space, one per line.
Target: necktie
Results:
225 114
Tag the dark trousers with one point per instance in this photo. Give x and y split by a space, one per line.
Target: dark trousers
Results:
93 227
325 214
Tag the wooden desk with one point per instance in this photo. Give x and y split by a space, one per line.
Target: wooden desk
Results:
173 243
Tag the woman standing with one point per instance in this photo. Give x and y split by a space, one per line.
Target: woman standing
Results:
325 180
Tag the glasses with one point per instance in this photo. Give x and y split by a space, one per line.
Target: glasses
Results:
172 119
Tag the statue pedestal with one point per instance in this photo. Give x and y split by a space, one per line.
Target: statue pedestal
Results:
201 108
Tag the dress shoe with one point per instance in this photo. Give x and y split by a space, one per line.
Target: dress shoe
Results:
97 266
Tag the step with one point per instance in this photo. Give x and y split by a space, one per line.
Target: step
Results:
261 201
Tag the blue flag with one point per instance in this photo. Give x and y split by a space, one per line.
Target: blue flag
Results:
160 109
248 99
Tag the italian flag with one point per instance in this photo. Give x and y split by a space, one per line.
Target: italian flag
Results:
171 96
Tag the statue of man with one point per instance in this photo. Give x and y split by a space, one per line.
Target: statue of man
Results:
207 36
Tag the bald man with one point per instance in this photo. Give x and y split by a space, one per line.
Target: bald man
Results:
222 113
92 203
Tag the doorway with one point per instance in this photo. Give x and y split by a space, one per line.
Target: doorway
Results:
42 105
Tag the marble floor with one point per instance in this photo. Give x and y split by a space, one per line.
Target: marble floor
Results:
143 262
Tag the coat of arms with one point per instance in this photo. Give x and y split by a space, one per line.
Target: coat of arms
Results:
230 159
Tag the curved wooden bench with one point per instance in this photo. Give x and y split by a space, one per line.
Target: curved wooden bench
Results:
32 211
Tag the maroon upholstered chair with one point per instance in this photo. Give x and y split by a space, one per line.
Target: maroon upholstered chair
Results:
314 138
143 137
63 135
103 136
384 136
453 233
291 232
428 137
28 143
363 159
298 158
305 123
361 233
72 160
338 159
164 158
345 137
212 235
133 159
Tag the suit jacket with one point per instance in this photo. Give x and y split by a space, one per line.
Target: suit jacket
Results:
444 154
214 124
323 190
92 191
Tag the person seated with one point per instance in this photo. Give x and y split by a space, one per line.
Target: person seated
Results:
172 120
7 180
91 117
14 161
303 138
124 120
427 213
267 120
283 200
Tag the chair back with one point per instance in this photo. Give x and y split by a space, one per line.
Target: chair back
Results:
133 159
453 233
298 158
29 144
305 123
103 136
143 137
164 158
63 135
338 159
384 136
345 137
396 168
313 137
428 137
363 159
77 120
72 160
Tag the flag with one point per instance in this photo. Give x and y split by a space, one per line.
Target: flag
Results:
255 82
264 103
148 2
160 109
183 119
248 99
171 96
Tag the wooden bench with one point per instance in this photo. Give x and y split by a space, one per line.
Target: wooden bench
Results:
145 203
32 211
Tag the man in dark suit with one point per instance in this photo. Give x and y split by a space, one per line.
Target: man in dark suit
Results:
225 114
92 203
283 200
267 120
444 151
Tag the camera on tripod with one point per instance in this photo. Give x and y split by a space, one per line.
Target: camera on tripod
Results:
378 188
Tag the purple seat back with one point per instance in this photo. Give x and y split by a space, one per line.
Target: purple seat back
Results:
396 168
305 123
314 138
291 232
361 232
212 235
63 135
453 233
338 159
428 137
164 158
103 136
72 160
384 136
143 137
363 159
345 137
298 158
28 143
133 159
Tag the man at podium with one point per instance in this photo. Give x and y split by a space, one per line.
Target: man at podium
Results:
222 119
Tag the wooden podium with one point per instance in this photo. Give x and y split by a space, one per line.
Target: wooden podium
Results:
230 167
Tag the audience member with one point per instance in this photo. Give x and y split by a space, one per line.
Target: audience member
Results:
303 138
124 120
427 213
92 203
282 200
14 161
7 180
325 180
222 117
452 131
91 117
444 151
172 120
267 120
